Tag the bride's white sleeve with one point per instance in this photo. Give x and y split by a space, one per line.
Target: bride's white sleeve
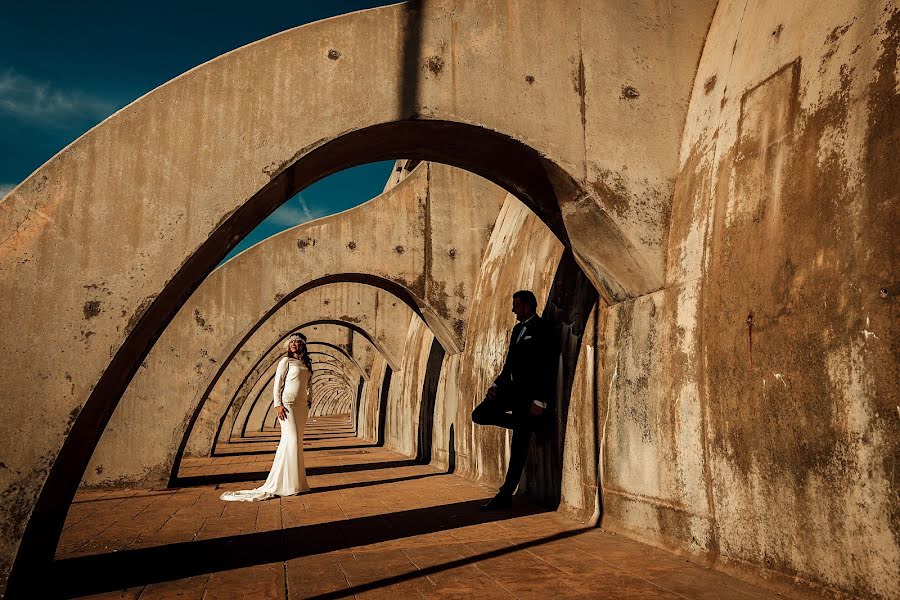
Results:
280 376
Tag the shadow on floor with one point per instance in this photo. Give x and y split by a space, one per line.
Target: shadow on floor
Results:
359 484
225 451
199 480
219 453
453 564
132 568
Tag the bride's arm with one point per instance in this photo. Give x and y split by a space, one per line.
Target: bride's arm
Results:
278 385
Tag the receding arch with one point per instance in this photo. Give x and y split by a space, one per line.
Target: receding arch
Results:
220 416
543 159
270 358
264 383
212 403
183 416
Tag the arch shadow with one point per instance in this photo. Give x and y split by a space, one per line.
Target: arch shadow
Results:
507 162
241 339
173 477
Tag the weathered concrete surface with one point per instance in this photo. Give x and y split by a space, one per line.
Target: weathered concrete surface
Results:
379 316
328 357
402 421
426 255
752 402
579 494
118 239
522 254
369 409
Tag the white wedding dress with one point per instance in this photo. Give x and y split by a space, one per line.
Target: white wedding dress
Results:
288 474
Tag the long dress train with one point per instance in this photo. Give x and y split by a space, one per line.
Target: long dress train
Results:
288 473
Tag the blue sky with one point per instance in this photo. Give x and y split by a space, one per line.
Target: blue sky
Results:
65 66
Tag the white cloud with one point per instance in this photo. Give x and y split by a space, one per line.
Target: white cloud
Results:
32 100
293 212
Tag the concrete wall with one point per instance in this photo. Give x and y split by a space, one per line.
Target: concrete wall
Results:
403 408
370 410
727 181
751 407
120 242
435 260
370 310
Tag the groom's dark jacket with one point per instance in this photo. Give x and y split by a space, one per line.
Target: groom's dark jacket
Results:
529 372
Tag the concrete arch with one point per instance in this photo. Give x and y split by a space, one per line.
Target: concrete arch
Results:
326 346
188 407
377 319
335 357
260 146
264 369
257 397
257 393
255 418
337 351
213 414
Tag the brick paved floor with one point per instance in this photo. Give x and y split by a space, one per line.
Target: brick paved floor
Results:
376 525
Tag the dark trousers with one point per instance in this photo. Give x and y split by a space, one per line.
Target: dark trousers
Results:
501 412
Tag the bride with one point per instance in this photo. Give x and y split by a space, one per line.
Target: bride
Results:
292 402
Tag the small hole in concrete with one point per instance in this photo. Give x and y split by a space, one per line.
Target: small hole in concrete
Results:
435 64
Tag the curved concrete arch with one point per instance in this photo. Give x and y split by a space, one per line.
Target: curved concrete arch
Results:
362 309
258 395
256 420
211 415
337 394
365 372
183 407
238 425
260 146
260 383
267 360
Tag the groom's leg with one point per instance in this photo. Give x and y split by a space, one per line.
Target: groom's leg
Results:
521 442
493 411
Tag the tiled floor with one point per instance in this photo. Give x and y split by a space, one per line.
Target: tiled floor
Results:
376 525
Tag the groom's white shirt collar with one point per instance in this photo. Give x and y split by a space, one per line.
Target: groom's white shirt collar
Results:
524 324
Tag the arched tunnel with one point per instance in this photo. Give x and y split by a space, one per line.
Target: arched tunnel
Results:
701 196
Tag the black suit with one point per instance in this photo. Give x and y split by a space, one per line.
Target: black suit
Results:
529 374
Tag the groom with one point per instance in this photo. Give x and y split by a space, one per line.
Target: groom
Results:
521 397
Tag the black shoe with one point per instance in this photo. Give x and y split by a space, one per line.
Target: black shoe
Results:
498 502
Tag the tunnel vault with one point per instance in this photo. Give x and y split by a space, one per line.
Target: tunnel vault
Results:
252 389
235 302
307 115
220 405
